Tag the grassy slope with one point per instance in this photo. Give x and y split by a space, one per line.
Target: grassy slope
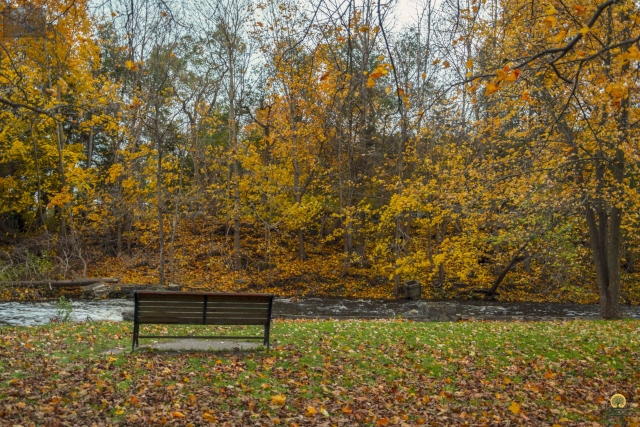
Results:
204 254
367 373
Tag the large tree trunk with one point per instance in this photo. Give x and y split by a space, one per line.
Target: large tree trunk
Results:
605 244
604 227
605 233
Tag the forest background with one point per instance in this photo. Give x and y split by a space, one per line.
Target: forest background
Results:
487 148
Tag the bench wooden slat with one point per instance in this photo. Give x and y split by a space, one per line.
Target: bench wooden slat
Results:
239 321
174 297
160 310
198 321
238 305
262 316
216 294
209 309
212 305
210 298
170 321
144 316
170 304
254 307
149 317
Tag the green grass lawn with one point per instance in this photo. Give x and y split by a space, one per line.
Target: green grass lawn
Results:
326 373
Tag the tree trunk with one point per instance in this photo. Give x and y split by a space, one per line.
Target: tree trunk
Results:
604 234
233 142
39 213
348 246
63 180
176 217
89 149
302 255
399 221
514 259
160 217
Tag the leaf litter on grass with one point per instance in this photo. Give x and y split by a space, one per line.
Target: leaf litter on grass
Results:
341 373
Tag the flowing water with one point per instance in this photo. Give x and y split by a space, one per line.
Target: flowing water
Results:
39 313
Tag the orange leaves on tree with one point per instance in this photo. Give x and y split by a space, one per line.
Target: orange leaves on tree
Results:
512 76
617 91
491 88
503 74
560 36
550 21
380 71
633 54
129 65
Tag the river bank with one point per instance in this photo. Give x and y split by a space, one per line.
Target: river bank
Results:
41 312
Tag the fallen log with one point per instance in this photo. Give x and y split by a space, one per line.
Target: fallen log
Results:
62 283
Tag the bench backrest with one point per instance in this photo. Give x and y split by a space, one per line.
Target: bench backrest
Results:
202 308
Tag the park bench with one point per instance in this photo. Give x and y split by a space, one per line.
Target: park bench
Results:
201 308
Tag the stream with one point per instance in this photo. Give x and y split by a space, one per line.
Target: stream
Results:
39 313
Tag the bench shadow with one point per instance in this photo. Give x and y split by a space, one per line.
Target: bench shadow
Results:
150 351
194 346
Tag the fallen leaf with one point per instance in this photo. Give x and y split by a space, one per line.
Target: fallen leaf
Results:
515 408
278 399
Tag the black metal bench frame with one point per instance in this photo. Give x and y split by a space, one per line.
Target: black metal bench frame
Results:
190 315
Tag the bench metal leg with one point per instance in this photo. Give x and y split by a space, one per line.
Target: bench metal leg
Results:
136 325
135 337
266 334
